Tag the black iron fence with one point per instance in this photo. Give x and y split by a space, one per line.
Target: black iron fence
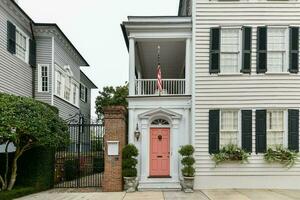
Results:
81 164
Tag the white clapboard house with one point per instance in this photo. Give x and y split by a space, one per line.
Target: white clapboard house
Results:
230 75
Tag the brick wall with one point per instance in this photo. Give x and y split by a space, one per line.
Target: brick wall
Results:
115 130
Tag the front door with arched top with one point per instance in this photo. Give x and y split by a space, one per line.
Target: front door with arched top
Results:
159 152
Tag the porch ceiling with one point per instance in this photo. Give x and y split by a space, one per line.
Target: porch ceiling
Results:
172 58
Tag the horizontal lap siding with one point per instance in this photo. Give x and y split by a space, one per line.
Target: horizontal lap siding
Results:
44 56
240 91
66 110
15 75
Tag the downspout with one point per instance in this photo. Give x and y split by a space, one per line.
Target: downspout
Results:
33 67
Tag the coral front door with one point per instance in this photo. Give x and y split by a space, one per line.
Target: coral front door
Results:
159 152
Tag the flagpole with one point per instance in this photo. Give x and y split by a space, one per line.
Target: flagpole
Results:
158 63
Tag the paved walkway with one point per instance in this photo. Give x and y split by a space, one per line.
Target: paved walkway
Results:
197 195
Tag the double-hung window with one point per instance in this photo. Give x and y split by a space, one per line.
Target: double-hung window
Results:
68 88
275 127
83 93
230 50
75 94
229 127
21 45
58 83
277 49
43 78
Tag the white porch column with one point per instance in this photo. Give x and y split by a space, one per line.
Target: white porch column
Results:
131 66
188 56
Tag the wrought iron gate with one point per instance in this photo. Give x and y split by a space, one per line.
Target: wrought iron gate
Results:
81 164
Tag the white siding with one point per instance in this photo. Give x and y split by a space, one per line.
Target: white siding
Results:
15 74
239 91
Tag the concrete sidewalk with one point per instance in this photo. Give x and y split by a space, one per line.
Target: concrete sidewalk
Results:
170 195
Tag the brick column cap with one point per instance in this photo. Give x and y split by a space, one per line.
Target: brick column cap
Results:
114 112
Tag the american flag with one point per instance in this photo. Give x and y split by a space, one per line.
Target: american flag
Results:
159 81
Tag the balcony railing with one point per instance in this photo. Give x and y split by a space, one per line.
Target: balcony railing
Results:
148 87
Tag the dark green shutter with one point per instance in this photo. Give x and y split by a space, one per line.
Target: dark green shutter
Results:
86 94
214 121
11 37
32 53
294 50
261 50
247 130
293 136
214 60
246 52
261 131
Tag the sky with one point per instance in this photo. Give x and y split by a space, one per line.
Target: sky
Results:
93 26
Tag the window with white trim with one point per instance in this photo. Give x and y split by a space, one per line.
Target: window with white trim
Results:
230 50
83 93
67 88
275 127
277 49
75 94
229 127
59 78
22 49
43 78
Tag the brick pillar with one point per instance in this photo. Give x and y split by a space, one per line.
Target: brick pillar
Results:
115 130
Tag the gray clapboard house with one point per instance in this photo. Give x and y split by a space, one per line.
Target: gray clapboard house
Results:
38 60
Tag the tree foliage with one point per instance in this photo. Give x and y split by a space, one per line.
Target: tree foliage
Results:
28 123
111 96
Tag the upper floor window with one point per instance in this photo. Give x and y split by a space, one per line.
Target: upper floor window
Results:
66 86
83 93
230 50
21 45
43 78
277 49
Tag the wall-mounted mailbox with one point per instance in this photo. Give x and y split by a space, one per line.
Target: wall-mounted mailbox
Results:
112 148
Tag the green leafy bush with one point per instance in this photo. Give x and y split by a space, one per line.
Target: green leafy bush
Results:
71 169
188 160
281 155
98 165
17 192
231 152
129 161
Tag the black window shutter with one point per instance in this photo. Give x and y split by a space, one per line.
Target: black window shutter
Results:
294 50
293 134
11 37
86 94
214 121
261 131
215 42
246 51
261 50
32 53
247 130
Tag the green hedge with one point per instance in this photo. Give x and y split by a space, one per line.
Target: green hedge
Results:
17 192
71 169
35 172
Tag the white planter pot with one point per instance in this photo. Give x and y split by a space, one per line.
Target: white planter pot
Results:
188 184
131 184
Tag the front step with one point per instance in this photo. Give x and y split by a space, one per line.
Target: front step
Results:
159 186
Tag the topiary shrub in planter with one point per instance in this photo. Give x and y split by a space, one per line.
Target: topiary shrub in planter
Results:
281 155
188 171
230 152
129 171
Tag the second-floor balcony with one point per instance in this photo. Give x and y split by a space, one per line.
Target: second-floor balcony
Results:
159 40
149 87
